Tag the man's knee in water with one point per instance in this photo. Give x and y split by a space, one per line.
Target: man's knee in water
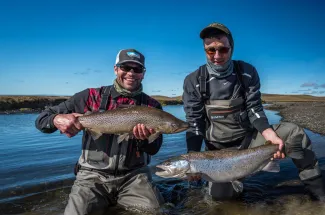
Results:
222 191
294 138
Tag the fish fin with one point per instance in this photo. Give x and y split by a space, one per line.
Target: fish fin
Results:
153 137
238 186
268 142
272 166
87 113
94 134
188 175
125 136
207 177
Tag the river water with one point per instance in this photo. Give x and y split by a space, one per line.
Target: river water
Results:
36 173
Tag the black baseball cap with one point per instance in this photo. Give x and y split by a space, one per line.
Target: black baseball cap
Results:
130 55
216 27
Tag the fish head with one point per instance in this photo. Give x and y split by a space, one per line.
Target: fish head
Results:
174 126
173 168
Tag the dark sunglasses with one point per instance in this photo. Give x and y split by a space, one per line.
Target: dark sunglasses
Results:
126 68
213 50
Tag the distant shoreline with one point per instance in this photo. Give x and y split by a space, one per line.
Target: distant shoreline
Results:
35 104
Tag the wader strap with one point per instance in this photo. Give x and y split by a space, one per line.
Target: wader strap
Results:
103 103
247 140
202 82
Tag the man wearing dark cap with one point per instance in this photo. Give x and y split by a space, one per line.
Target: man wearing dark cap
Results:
222 102
109 173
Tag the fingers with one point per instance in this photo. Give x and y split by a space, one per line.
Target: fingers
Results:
196 177
279 155
141 132
76 114
68 124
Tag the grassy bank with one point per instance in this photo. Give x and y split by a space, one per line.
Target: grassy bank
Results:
36 103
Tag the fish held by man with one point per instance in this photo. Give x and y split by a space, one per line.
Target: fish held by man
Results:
121 121
221 165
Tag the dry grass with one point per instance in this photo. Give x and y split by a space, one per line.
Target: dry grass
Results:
291 98
38 102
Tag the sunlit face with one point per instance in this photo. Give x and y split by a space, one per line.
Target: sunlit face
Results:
129 75
217 49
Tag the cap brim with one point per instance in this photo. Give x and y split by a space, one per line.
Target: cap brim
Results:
207 30
133 61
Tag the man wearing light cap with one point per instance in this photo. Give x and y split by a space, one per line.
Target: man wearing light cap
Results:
222 102
109 173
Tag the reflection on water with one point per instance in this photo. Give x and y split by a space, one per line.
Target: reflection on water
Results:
36 175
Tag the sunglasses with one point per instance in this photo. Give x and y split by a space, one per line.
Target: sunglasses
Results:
126 68
213 50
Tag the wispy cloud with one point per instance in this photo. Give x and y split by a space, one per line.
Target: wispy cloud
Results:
88 71
309 84
80 73
323 85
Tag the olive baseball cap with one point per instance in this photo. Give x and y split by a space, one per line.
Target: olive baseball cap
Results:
216 28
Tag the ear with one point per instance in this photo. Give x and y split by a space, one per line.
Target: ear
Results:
115 70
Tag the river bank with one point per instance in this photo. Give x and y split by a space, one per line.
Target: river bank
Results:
310 115
304 110
34 104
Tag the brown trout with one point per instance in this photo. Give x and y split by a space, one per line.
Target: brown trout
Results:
121 121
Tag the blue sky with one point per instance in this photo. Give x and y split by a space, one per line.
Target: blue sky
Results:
62 47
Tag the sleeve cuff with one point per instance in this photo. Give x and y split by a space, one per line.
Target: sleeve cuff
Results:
50 123
261 124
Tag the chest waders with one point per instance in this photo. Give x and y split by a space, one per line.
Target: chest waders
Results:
105 155
227 120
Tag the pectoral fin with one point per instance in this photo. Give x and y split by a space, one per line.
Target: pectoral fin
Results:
153 137
238 186
94 134
207 178
87 113
122 137
272 166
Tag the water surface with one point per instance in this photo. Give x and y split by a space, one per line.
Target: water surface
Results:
36 172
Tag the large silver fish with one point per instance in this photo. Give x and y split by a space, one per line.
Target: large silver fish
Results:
121 121
221 165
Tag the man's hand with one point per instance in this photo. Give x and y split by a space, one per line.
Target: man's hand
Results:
194 177
140 131
270 135
68 124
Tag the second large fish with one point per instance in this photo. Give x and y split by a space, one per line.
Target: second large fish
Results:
222 165
121 121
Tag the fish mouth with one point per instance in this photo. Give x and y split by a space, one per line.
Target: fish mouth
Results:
162 171
184 126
